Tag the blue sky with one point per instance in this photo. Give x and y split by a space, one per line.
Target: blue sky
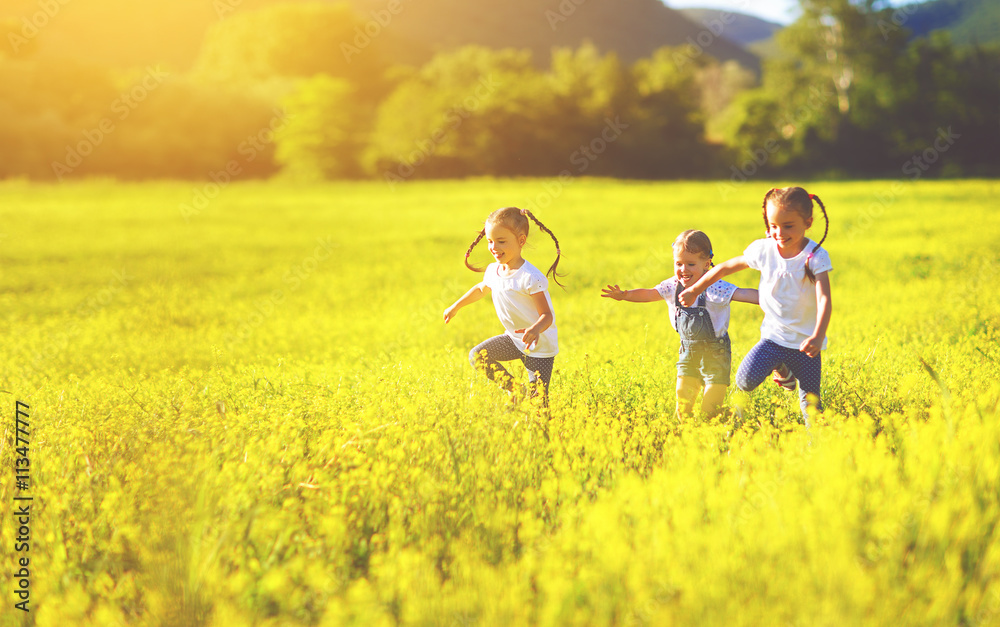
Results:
780 11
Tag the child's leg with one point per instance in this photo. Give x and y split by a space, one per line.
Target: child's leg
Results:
487 355
539 374
711 403
717 363
758 364
687 392
808 371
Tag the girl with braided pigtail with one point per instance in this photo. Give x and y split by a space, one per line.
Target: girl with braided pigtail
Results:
521 298
794 293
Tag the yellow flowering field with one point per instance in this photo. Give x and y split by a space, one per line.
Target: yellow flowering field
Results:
241 406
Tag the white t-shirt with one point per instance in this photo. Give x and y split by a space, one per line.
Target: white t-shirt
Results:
717 299
786 294
515 308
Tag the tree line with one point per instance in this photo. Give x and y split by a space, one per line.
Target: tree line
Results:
306 91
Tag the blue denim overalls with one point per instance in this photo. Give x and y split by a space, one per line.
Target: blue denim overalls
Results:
700 350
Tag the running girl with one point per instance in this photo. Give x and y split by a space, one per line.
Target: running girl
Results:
521 298
794 294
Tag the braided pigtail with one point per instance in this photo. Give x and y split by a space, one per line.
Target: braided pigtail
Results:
767 197
468 265
826 229
552 269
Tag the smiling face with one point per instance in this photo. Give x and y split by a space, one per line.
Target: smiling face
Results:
689 267
787 227
505 245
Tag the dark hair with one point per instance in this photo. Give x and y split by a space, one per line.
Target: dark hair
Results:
517 221
797 199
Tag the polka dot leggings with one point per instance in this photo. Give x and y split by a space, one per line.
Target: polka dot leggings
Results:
766 356
487 355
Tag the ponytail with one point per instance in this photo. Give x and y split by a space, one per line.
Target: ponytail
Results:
552 269
767 196
826 229
468 265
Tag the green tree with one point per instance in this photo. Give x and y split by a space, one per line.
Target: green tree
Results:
478 111
325 131
469 112
944 90
51 112
667 135
297 40
826 93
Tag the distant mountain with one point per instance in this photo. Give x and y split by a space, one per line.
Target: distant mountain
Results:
968 21
126 33
738 28
631 28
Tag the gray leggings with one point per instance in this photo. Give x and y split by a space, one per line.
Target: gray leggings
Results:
487 355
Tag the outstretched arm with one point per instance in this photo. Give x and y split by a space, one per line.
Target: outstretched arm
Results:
746 295
478 291
641 295
724 269
824 307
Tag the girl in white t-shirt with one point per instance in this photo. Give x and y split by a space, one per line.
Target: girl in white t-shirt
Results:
794 293
521 298
705 355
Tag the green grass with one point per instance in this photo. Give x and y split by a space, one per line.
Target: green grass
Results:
257 416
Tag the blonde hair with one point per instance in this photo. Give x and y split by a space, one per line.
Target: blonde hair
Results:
696 243
517 221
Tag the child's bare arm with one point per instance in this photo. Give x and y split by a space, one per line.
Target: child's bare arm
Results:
641 295
724 269
545 319
478 291
746 295
824 308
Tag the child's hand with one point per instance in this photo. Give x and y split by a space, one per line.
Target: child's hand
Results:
449 313
613 291
688 298
812 345
530 338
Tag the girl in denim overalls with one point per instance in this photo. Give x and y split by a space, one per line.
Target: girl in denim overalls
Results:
705 354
